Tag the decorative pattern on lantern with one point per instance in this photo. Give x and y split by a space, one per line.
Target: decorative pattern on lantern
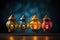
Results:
12 24
23 23
35 24
47 23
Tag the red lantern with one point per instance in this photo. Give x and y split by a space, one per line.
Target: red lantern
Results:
47 23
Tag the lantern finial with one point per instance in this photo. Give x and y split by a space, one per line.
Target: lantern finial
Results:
12 18
35 18
46 17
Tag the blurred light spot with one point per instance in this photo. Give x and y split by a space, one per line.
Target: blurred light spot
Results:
46 38
23 38
11 38
35 38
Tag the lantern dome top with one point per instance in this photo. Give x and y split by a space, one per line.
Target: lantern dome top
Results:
11 17
46 17
35 17
23 17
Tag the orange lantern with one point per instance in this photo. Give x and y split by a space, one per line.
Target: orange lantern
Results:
35 24
47 23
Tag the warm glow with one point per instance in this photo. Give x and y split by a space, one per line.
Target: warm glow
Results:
27 25
39 25
23 25
31 25
47 26
35 27
11 38
8 22
19 25
35 24
24 38
46 38
12 26
35 38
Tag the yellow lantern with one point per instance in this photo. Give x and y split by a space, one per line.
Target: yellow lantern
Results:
35 24
12 24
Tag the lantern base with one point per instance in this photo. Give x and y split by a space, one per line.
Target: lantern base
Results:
35 30
9 30
24 30
46 30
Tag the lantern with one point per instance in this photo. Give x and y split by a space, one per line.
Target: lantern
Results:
12 24
35 24
23 23
47 23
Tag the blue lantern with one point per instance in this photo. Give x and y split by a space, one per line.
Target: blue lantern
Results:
23 23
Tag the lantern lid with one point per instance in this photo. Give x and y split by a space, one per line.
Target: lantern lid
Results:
23 18
46 18
11 17
35 17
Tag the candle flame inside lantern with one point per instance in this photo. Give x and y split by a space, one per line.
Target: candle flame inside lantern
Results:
47 27
35 27
12 27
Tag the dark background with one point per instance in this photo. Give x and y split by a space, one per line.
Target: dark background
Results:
50 6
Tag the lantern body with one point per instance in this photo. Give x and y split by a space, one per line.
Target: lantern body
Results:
12 24
47 24
35 23
23 27
23 23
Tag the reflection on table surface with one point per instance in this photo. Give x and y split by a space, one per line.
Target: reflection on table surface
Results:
30 38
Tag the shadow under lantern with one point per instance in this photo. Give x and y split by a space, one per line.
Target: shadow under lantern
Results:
23 23
35 24
47 23
11 24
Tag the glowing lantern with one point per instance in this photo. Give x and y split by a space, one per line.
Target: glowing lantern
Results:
11 23
47 23
35 24
23 23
